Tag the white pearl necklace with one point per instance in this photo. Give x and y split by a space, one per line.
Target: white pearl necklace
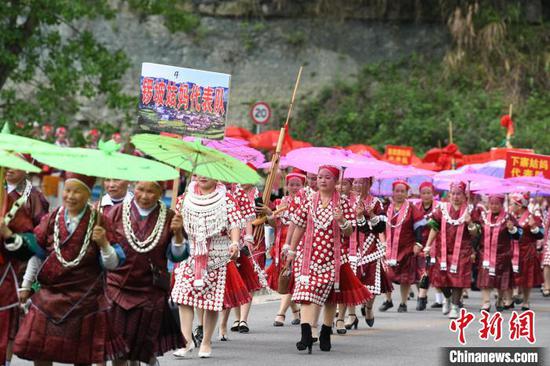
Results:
152 240
407 203
83 249
17 204
451 221
486 222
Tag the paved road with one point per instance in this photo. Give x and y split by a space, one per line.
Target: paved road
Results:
407 339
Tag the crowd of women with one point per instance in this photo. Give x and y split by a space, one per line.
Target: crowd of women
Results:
95 282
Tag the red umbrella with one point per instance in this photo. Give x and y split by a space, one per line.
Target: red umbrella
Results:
360 149
238 132
268 141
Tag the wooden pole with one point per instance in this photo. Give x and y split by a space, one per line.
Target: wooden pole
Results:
453 161
508 136
275 160
2 191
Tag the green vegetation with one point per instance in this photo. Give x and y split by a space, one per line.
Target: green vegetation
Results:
496 59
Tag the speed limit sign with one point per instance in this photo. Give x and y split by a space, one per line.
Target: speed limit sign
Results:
260 113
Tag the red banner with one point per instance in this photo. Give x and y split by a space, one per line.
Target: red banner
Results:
529 165
399 154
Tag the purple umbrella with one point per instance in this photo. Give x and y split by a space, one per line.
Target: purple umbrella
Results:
493 168
538 182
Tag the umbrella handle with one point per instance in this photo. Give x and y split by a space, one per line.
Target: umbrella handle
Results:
3 199
175 190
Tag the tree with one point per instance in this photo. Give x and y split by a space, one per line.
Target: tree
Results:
50 65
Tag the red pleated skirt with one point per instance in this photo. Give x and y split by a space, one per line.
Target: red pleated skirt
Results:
530 272
352 291
248 275
147 330
236 292
367 276
405 271
9 322
85 340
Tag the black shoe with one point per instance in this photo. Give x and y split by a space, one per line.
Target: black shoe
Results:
436 305
388 304
518 300
354 324
499 308
198 334
324 338
421 303
364 310
402 308
340 330
243 327
235 326
411 295
297 320
524 308
370 322
307 341
510 306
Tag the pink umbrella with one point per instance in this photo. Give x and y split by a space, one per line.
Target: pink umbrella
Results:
283 164
507 187
404 171
538 182
236 148
310 159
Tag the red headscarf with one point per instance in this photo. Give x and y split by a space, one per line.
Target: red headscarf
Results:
497 197
334 170
296 174
398 182
426 185
84 180
521 199
459 185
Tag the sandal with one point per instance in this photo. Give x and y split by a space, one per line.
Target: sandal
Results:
277 323
243 327
296 321
352 324
235 326
341 330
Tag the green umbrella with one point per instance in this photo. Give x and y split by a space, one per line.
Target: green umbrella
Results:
10 142
12 161
196 158
107 162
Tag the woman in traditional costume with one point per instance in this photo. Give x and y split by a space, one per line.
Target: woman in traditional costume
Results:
69 317
24 207
286 206
367 251
208 279
526 259
498 232
402 245
424 209
150 235
251 257
116 192
323 274
453 266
